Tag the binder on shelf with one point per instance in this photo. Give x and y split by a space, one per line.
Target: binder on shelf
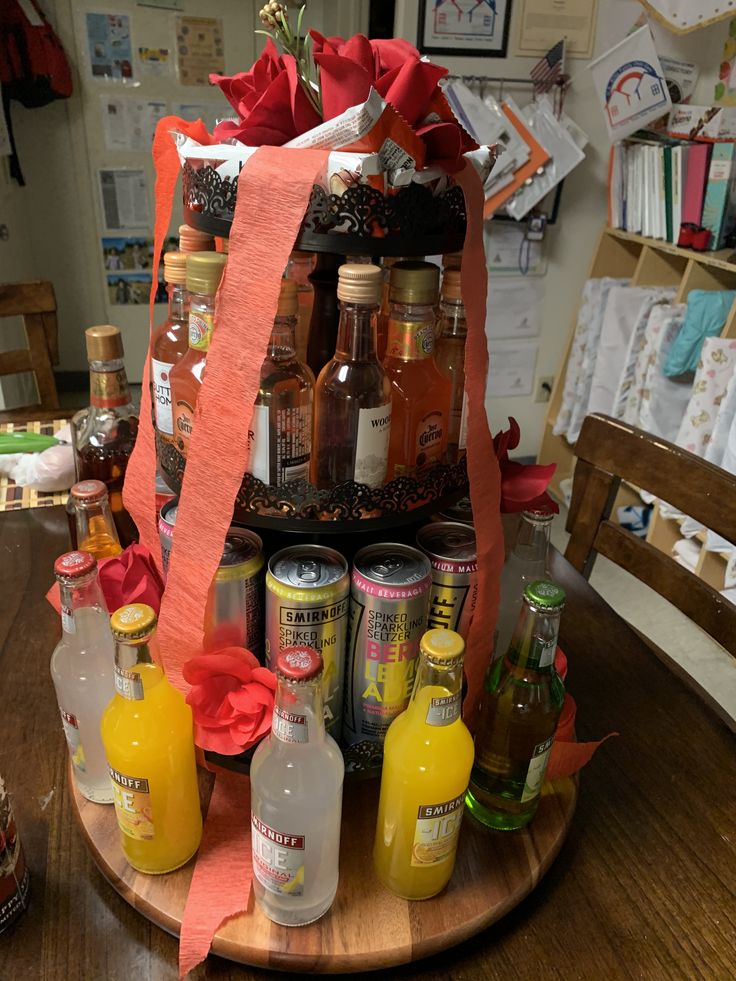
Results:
719 205
697 173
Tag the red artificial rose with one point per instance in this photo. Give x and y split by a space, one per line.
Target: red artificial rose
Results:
131 577
523 486
232 699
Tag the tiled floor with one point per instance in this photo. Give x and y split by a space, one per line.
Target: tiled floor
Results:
670 630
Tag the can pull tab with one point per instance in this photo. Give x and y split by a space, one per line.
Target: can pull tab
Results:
388 567
309 571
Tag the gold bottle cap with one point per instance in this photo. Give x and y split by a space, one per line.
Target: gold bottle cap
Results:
359 283
452 260
414 282
451 285
442 645
288 299
175 267
204 271
133 622
192 240
104 343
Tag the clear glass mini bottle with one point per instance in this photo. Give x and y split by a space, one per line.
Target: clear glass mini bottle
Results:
352 417
298 269
204 272
281 448
521 707
82 668
450 359
92 528
526 562
296 798
420 394
103 436
169 344
147 732
427 757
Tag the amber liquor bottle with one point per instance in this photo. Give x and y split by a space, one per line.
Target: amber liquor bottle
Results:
103 435
169 344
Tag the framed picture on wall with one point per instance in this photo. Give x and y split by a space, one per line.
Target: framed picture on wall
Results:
464 27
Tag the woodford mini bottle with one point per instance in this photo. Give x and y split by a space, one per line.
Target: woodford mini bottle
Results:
204 272
450 360
296 798
353 394
169 344
520 709
281 442
103 436
420 394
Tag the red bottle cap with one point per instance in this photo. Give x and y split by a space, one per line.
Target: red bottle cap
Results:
89 490
299 663
71 565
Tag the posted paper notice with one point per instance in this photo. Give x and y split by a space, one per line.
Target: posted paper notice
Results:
124 199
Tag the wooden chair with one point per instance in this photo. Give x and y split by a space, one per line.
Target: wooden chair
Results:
610 451
36 304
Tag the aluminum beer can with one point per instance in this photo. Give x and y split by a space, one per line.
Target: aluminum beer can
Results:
234 611
461 511
389 598
450 547
307 592
166 522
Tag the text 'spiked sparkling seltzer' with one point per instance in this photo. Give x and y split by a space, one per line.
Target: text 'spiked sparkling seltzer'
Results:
307 591
389 599
451 549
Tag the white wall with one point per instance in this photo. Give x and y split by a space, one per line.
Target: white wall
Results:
571 241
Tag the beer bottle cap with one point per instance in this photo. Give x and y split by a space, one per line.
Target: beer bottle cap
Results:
89 490
175 267
104 343
133 622
288 299
413 282
545 595
451 285
359 283
299 663
192 240
204 271
442 646
73 565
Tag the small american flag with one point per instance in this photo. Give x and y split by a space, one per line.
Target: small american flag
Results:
549 69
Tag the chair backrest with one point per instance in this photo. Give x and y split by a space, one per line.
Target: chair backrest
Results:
609 451
36 304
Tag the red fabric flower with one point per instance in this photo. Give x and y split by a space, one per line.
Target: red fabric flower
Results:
232 700
523 485
131 577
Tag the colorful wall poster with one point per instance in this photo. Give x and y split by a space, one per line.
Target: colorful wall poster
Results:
199 49
109 47
725 93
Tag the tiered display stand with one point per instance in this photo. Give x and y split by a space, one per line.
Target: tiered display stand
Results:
367 927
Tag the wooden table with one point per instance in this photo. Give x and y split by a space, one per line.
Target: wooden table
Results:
643 886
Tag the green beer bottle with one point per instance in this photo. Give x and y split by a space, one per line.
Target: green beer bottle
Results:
521 705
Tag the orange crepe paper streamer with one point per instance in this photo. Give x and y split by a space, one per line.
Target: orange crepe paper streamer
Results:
269 210
223 876
483 470
139 491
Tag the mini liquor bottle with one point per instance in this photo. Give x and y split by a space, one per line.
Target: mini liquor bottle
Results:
427 758
384 312
148 739
82 668
103 435
352 418
520 709
169 344
281 447
193 240
527 561
298 269
296 798
94 530
420 394
204 272
450 359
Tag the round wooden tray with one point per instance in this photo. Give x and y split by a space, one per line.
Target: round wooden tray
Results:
367 928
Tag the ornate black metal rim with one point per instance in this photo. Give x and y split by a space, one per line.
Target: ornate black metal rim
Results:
359 221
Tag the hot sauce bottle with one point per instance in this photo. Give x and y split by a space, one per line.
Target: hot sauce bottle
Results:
204 272
103 435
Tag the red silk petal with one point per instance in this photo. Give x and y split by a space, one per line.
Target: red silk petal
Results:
444 146
304 114
410 87
344 84
243 700
265 677
565 759
358 49
393 52
200 669
216 740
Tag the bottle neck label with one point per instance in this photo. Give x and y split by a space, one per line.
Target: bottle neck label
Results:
161 383
289 728
539 655
129 685
443 711
410 340
201 325
108 389
436 832
278 859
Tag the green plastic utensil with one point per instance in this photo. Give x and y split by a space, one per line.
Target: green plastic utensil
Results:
26 442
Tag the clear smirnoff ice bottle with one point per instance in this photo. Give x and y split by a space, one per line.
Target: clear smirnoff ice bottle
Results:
82 669
296 798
